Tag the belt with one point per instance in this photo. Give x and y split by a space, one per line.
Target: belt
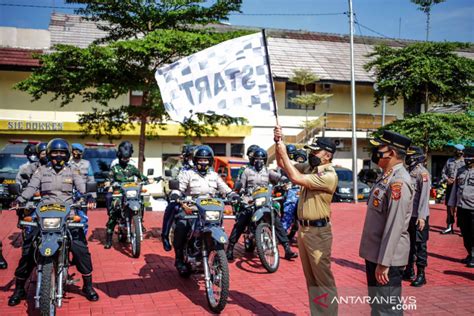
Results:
317 222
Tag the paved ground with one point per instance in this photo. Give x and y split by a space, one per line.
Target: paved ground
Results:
150 286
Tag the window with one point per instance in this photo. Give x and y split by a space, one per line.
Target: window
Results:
293 90
237 150
219 149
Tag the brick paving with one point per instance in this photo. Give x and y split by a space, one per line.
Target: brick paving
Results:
150 285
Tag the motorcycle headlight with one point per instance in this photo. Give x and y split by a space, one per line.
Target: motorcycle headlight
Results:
51 222
260 201
345 190
213 215
366 190
131 193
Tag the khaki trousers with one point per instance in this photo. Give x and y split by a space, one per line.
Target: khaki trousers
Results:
314 245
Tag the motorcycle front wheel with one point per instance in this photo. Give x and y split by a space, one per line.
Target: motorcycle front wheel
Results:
217 288
136 234
48 288
265 249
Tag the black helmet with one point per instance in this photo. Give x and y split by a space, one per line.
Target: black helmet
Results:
291 151
203 152
301 155
415 155
125 150
58 144
258 164
251 150
30 152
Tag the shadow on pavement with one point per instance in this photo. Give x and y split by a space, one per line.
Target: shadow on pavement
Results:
349 264
443 257
466 275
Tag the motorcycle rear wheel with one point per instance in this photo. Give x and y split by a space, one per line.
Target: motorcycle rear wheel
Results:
48 289
265 249
218 293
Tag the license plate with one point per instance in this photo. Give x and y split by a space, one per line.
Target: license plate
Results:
360 196
9 181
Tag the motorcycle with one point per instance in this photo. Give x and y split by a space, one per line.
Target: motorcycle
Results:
439 191
129 199
260 233
52 243
204 249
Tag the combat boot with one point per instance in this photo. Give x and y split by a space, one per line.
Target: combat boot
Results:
420 277
19 294
288 253
449 230
3 262
409 273
108 240
470 262
230 252
88 290
166 242
179 263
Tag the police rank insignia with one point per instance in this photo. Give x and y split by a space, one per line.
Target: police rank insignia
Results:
67 180
396 189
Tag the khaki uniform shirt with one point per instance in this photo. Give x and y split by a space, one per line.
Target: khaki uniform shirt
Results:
192 183
422 184
462 194
385 239
55 187
315 201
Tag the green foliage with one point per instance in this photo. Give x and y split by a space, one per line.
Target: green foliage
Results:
423 73
425 5
433 131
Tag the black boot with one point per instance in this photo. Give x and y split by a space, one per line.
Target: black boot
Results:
420 277
179 263
230 252
409 273
288 253
466 260
166 242
470 262
88 290
3 262
108 240
19 293
449 230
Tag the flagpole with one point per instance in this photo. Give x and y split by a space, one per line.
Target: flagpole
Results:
354 113
267 57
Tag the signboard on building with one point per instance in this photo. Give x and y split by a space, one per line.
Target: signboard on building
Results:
35 126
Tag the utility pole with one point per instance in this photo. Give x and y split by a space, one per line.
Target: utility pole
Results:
354 113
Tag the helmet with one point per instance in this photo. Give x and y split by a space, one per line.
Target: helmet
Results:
203 152
258 164
58 144
187 151
77 146
30 152
125 150
291 151
251 150
301 155
41 147
415 155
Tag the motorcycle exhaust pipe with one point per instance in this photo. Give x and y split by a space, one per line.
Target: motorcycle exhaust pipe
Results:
129 237
59 295
38 286
207 272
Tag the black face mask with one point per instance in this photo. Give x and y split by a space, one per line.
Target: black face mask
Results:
43 161
314 161
123 163
469 161
77 156
376 155
258 165
202 168
459 154
58 162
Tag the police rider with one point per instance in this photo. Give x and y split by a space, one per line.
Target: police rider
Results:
82 167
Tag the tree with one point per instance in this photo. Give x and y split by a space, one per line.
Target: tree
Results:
142 35
425 6
433 131
303 78
422 73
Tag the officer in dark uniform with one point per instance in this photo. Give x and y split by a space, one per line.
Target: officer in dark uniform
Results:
257 175
55 181
448 174
120 173
462 197
419 222
172 207
385 241
202 180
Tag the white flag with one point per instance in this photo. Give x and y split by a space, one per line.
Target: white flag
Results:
230 78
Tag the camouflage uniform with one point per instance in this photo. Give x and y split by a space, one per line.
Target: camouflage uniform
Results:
120 175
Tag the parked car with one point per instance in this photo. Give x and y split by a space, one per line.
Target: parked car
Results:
11 158
344 190
228 168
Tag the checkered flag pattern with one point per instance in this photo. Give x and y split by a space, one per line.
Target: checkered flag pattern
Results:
230 78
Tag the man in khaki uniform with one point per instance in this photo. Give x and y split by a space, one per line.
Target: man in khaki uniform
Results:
318 181
385 242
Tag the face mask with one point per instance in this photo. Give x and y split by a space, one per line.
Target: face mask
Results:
314 161
77 156
123 163
58 162
43 160
258 165
376 155
459 154
190 163
469 162
202 168
32 158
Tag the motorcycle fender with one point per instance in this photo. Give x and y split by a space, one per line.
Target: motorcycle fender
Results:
218 235
49 245
259 213
134 206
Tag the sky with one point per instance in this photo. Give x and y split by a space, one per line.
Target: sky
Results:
452 20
